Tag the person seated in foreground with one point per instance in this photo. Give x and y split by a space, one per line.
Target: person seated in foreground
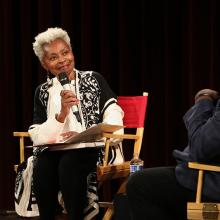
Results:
60 168
163 192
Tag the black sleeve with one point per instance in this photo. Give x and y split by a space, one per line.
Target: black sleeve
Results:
107 96
203 125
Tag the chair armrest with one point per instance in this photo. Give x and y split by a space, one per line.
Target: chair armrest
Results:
21 134
121 136
112 171
200 166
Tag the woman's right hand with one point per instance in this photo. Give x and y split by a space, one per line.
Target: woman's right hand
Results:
68 99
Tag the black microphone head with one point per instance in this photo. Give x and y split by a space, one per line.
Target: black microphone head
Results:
63 78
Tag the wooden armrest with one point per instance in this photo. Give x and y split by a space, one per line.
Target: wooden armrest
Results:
21 134
200 166
121 136
113 171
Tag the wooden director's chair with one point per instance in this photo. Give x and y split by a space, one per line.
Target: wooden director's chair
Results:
134 108
199 210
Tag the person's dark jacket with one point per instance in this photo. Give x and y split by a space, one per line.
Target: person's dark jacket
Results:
203 125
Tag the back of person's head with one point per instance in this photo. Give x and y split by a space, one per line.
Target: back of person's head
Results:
48 36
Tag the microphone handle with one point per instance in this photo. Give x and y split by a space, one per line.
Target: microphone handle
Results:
77 116
74 107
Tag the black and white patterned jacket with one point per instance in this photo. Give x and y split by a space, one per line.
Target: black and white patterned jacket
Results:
97 104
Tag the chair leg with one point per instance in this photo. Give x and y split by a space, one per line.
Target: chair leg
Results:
108 214
110 210
122 187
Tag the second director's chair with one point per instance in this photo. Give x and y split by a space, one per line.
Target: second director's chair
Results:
199 210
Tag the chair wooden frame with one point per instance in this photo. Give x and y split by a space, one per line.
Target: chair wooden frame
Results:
198 209
106 171
21 135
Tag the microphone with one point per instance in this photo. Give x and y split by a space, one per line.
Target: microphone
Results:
64 81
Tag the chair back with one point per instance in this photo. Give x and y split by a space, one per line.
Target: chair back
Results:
134 108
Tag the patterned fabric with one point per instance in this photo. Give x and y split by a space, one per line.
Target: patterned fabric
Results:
25 201
92 90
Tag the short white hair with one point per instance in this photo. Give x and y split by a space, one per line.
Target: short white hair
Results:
48 36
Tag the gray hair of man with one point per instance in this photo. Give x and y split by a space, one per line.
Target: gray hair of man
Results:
48 36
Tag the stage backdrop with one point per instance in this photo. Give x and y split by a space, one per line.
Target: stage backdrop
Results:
169 48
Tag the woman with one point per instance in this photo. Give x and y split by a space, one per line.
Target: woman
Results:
163 192
60 168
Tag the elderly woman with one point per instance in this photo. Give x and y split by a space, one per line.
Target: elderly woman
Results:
66 168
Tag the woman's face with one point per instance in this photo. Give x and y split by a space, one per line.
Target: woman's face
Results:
58 57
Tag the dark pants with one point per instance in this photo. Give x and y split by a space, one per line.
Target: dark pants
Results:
66 171
155 194
121 207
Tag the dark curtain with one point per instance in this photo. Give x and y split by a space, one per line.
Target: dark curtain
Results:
168 48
